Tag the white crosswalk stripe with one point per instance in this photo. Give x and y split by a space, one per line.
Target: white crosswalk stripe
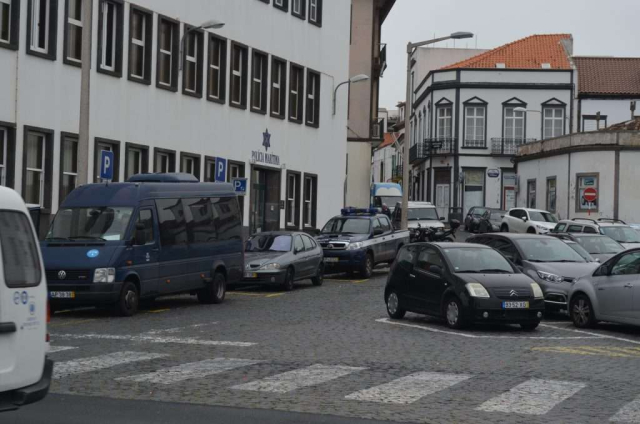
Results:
630 413
95 363
190 371
533 397
56 349
409 389
296 379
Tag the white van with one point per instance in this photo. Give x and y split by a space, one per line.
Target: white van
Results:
25 371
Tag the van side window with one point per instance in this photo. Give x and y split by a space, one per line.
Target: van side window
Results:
173 224
19 251
145 217
200 221
227 218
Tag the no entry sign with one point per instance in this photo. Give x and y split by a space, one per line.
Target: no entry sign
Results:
590 194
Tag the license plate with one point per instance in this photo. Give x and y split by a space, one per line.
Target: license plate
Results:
515 305
62 295
250 275
334 260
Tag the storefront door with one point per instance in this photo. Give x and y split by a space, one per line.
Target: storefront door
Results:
265 200
473 189
443 192
508 190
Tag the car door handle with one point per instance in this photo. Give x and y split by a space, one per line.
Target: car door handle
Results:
8 327
412 276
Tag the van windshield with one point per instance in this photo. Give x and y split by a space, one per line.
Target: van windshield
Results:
101 223
417 214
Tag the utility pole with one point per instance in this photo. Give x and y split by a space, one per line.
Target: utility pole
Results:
85 94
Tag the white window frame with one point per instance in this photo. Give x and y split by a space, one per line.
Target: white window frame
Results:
114 36
308 203
311 95
67 173
471 138
77 23
140 43
277 69
164 158
4 140
39 170
237 74
279 3
445 121
167 54
517 115
313 11
296 6
294 94
553 120
189 161
257 79
192 59
8 3
35 26
291 200
139 152
212 42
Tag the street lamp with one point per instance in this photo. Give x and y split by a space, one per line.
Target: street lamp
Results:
407 119
212 24
357 78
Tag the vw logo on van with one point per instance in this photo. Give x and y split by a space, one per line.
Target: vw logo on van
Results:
62 275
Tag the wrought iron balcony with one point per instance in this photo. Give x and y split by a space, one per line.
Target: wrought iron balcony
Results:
396 173
417 153
508 146
439 146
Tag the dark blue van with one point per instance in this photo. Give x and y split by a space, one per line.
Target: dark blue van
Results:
117 244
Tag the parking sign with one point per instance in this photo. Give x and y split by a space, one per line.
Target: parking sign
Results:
221 170
106 165
240 186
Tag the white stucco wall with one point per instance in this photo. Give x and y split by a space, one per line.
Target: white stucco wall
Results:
629 205
382 156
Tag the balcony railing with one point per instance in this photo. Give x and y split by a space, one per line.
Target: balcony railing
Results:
508 146
396 173
417 152
440 145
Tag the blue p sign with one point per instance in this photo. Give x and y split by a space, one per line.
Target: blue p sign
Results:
221 170
106 165
240 186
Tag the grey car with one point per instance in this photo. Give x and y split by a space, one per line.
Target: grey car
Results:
548 261
600 247
610 293
282 258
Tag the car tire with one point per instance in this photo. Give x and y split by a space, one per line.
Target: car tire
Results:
319 278
581 311
504 228
129 300
393 306
214 292
454 313
530 326
289 279
367 268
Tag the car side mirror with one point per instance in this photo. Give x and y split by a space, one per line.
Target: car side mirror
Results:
378 231
524 218
435 269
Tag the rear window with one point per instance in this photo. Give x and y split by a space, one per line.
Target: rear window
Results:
20 258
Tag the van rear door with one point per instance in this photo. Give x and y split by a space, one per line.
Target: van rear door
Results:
23 300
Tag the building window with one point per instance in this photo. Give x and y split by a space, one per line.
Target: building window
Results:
514 124
475 126
310 201
239 75
217 77
259 71
278 87
553 125
531 194
140 45
298 8
137 160
9 23
281 4
593 122
34 168
7 153
583 182
444 121
296 88
190 164
73 33
193 61
42 28
313 99
68 165
108 146
209 169
293 200
164 161
168 46
315 12
110 30
551 194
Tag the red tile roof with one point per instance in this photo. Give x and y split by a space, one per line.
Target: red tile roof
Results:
527 53
608 75
388 140
633 125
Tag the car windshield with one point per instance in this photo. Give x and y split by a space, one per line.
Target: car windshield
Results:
622 234
542 217
417 214
478 260
580 251
548 250
478 212
98 223
347 226
268 243
600 245
390 201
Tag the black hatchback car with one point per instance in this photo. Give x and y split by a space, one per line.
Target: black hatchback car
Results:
463 283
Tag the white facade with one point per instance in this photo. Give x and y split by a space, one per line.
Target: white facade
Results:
41 95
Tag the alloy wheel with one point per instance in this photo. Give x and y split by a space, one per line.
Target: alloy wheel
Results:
392 303
581 312
453 313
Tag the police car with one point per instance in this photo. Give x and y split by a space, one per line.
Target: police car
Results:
359 239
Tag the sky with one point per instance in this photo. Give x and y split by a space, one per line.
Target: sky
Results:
599 28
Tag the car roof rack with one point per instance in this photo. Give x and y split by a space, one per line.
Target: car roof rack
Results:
612 220
172 177
585 219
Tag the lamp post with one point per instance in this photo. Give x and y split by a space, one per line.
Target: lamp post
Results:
212 24
357 78
407 119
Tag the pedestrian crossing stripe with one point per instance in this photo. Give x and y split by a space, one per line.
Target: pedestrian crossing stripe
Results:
629 413
80 366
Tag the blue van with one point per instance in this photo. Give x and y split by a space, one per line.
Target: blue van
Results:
155 235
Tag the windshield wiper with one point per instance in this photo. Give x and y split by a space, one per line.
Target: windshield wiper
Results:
488 271
86 238
536 260
57 238
564 261
467 271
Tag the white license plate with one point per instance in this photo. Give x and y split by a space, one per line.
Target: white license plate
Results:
334 260
515 305
250 275
62 295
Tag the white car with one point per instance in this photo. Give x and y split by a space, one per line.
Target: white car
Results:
531 221
423 214
25 371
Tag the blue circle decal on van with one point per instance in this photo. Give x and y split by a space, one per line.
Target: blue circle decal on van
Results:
93 253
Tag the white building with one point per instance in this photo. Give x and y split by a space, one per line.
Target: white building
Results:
256 93
469 119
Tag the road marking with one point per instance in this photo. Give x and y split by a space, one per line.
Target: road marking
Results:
156 339
158 311
293 380
533 397
602 336
79 366
275 295
56 349
608 351
629 413
190 371
476 336
65 324
409 389
179 329
245 294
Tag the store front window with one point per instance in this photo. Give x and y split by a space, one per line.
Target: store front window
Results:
473 188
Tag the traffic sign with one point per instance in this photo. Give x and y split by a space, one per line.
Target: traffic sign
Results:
240 186
590 194
106 165
221 170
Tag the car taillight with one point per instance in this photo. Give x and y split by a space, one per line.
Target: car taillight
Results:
47 338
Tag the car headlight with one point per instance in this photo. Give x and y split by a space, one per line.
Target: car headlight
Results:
271 266
552 278
477 290
104 275
355 246
537 291
543 229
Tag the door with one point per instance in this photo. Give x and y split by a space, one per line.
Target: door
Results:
265 200
429 287
310 258
145 251
616 291
23 300
378 243
442 200
299 262
173 245
388 245
516 224
509 198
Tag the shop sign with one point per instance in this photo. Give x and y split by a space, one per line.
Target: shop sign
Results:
493 173
265 157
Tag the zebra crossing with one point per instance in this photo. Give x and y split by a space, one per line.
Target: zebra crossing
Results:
534 397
